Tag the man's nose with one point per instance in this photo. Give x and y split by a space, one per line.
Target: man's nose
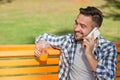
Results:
77 28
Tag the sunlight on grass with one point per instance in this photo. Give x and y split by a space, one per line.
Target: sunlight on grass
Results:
22 20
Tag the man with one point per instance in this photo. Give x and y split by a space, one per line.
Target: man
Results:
82 57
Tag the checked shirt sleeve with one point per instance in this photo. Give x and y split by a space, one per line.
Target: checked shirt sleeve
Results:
106 67
55 41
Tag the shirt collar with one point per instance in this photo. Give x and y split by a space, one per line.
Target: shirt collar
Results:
100 41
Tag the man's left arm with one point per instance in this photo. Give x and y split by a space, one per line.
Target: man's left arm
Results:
106 67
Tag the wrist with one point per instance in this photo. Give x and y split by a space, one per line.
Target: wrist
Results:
89 56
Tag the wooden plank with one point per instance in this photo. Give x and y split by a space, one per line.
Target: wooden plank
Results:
118 73
118 65
33 77
117 78
28 70
26 62
53 52
19 53
24 53
24 47
118 47
17 47
118 57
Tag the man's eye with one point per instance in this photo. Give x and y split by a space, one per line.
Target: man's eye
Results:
83 26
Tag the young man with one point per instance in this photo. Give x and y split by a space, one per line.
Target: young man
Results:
82 57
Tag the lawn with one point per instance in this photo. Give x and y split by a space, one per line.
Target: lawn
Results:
22 20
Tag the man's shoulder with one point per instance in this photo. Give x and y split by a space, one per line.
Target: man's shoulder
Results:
104 42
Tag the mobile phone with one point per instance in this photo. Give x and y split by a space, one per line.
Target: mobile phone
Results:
96 33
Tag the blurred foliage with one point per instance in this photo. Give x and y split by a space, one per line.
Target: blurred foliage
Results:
22 20
5 1
111 9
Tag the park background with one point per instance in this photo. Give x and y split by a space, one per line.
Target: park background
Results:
23 20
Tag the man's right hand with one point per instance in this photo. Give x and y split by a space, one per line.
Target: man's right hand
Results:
38 48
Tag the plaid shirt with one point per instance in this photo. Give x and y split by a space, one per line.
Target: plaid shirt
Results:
104 52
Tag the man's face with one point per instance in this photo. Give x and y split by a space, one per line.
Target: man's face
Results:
82 27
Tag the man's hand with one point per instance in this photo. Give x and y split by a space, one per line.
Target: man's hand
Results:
88 44
38 48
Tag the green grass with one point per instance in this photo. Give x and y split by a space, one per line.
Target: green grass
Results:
22 20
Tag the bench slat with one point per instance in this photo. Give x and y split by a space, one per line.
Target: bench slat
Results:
16 47
19 53
38 77
24 53
118 65
118 47
22 48
118 57
26 62
28 70
118 78
118 73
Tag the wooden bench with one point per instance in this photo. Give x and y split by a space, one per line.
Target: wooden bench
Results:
118 61
17 62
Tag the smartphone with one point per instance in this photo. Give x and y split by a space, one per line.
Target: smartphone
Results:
96 33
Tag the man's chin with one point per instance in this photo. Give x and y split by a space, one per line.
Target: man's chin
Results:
78 38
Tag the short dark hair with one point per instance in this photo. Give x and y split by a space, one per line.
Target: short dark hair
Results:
95 13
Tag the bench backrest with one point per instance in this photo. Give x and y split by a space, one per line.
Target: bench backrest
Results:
118 61
17 62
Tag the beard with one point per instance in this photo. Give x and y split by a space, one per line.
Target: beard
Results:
78 36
